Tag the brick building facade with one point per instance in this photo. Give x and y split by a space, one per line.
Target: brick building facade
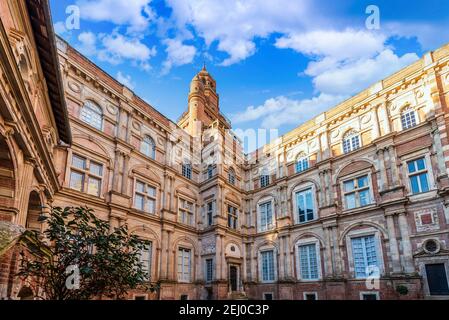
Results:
349 205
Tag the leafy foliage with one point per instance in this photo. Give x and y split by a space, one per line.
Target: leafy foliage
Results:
108 260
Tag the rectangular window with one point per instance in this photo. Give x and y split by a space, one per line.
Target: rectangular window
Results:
304 202
417 173
145 197
266 216
408 119
357 192
268 296
186 212
264 180
210 171
302 164
184 265
145 260
267 265
369 296
210 213
86 175
310 296
365 258
209 270
187 171
308 262
232 217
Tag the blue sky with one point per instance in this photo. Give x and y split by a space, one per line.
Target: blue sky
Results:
277 63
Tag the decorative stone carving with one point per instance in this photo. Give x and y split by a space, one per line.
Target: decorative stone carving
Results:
112 109
426 220
208 246
75 87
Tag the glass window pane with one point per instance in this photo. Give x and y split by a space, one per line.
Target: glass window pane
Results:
96 168
362 181
414 184
76 181
151 191
411 166
364 198
350 201
139 202
140 187
349 185
420 163
151 206
93 186
424 183
78 162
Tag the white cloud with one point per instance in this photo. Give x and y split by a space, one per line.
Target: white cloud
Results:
355 76
117 47
87 43
341 63
178 54
136 14
345 62
125 79
235 24
60 28
281 110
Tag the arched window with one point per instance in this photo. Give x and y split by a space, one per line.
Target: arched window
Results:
351 141
302 162
231 176
92 115
148 147
408 118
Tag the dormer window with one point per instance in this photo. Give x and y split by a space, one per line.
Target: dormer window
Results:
351 141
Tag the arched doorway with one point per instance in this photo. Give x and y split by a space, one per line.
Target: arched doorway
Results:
34 210
7 181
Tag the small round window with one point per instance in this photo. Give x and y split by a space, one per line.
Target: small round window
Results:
431 246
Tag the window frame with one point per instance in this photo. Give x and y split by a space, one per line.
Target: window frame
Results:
206 271
260 260
348 138
418 172
408 110
91 106
231 176
300 159
308 242
149 262
259 215
148 140
183 278
186 170
355 176
234 216
300 189
369 231
186 210
86 174
146 196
